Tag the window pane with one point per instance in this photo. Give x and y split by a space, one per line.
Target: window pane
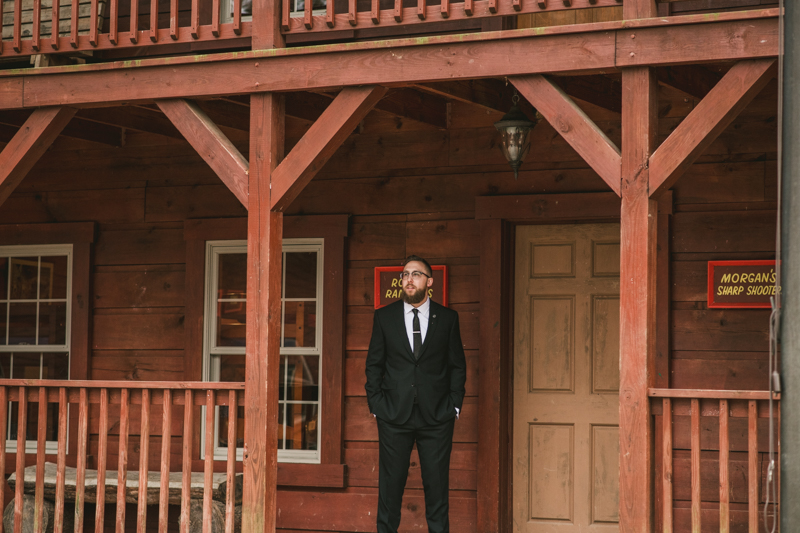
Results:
300 324
53 323
22 324
280 428
25 366
24 276
231 368
55 366
232 282
301 275
230 323
301 427
4 277
302 378
53 281
3 317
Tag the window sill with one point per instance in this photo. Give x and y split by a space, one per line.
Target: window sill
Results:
311 475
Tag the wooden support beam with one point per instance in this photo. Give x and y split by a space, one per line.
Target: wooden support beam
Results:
706 121
29 144
693 80
262 355
638 221
212 145
591 48
320 142
572 123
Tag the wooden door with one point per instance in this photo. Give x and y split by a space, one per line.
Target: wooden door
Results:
566 379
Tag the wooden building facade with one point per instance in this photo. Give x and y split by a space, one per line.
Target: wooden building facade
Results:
195 198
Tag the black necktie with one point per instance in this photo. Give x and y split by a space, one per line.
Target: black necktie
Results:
417 334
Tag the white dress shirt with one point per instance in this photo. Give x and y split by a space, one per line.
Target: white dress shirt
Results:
408 314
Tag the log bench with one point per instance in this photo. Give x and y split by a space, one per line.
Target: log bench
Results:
218 484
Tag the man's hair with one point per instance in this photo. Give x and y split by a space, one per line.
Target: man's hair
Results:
410 258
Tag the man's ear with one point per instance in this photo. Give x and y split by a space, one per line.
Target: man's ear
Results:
430 282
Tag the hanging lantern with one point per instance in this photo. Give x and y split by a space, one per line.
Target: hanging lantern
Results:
515 130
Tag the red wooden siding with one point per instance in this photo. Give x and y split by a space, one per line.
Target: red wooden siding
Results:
410 188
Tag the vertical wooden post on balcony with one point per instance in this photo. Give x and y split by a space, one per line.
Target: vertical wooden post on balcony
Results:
19 488
695 462
237 17
73 24
262 359
144 460
18 27
166 440
80 470
93 23
41 441
113 21
173 19
666 450
308 15
186 469
752 466
37 22
637 299
153 21
122 472
4 429
61 461
214 17
267 21
230 478
398 10
724 476
133 33
102 452
208 469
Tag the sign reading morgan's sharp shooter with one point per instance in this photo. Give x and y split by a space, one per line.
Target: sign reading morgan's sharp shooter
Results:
388 286
741 284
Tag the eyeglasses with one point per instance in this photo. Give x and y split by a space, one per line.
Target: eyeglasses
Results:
416 274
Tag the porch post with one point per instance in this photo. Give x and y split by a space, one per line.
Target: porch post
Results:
264 236
637 300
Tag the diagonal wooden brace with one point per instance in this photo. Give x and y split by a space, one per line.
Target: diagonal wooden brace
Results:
29 144
572 123
703 125
212 145
320 142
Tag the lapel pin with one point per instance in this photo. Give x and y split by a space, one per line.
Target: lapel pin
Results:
434 316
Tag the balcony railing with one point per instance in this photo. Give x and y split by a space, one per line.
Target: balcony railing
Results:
740 418
80 415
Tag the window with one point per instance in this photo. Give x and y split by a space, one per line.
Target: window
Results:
301 341
296 7
35 326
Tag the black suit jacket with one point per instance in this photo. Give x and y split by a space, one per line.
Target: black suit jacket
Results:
393 375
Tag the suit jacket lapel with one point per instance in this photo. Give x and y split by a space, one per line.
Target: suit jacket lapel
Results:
432 323
400 321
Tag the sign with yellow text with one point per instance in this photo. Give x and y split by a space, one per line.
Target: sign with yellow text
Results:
388 285
741 284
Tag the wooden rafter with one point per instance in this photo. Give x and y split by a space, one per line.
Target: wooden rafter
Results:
706 121
320 142
212 145
487 93
132 118
595 89
77 128
29 144
694 80
572 123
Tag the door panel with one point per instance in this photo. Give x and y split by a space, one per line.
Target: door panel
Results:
566 379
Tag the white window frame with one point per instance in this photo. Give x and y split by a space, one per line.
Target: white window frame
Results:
211 364
226 16
51 446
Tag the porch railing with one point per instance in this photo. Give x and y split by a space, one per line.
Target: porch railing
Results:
741 420
74 404
388 13
54 26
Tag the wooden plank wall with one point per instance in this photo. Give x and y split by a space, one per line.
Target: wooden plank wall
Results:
410 188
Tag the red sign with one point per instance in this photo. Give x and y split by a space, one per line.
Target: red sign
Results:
388 286
741 284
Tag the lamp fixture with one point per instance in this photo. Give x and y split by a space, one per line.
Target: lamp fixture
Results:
514 130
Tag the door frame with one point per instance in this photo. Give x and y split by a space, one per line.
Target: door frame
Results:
498 217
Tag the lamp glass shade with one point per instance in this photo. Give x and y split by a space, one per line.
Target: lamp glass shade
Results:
515 142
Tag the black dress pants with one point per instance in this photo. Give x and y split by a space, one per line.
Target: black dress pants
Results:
434 444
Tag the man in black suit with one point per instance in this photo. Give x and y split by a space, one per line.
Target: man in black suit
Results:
416 372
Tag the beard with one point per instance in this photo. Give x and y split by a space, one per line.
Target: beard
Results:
415 298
